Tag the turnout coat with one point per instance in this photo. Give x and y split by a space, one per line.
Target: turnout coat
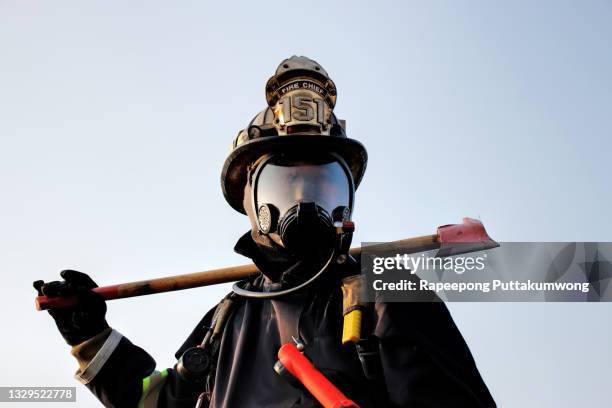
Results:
423 359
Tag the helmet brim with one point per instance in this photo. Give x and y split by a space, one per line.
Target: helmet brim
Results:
235 169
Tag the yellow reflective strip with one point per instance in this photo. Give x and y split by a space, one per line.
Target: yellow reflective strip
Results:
146 382
151 386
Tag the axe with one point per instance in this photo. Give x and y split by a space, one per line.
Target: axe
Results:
452 239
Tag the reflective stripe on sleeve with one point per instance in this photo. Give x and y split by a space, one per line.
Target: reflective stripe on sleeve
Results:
151 386
95 365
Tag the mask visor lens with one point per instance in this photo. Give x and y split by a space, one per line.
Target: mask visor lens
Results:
284 183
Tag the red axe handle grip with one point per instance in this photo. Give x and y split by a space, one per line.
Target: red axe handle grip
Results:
46 302
315 382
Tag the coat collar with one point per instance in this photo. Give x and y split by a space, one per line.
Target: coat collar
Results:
280 269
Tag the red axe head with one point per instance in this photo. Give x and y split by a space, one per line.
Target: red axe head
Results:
469 236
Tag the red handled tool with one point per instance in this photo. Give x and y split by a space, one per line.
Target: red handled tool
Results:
291 359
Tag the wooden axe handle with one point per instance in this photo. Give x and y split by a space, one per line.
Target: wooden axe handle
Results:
234 273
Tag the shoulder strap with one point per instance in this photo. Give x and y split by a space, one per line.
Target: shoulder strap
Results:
212 340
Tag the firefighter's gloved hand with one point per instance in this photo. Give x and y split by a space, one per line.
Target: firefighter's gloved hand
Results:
84 320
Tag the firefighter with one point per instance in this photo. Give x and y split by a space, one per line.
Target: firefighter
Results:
294 173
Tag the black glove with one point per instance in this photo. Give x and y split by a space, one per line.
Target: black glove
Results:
84 320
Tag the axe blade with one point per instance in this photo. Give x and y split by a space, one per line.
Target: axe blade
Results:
469 236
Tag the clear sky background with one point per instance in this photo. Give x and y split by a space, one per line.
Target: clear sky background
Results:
116 117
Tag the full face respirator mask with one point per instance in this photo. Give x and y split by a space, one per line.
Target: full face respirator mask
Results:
304 205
